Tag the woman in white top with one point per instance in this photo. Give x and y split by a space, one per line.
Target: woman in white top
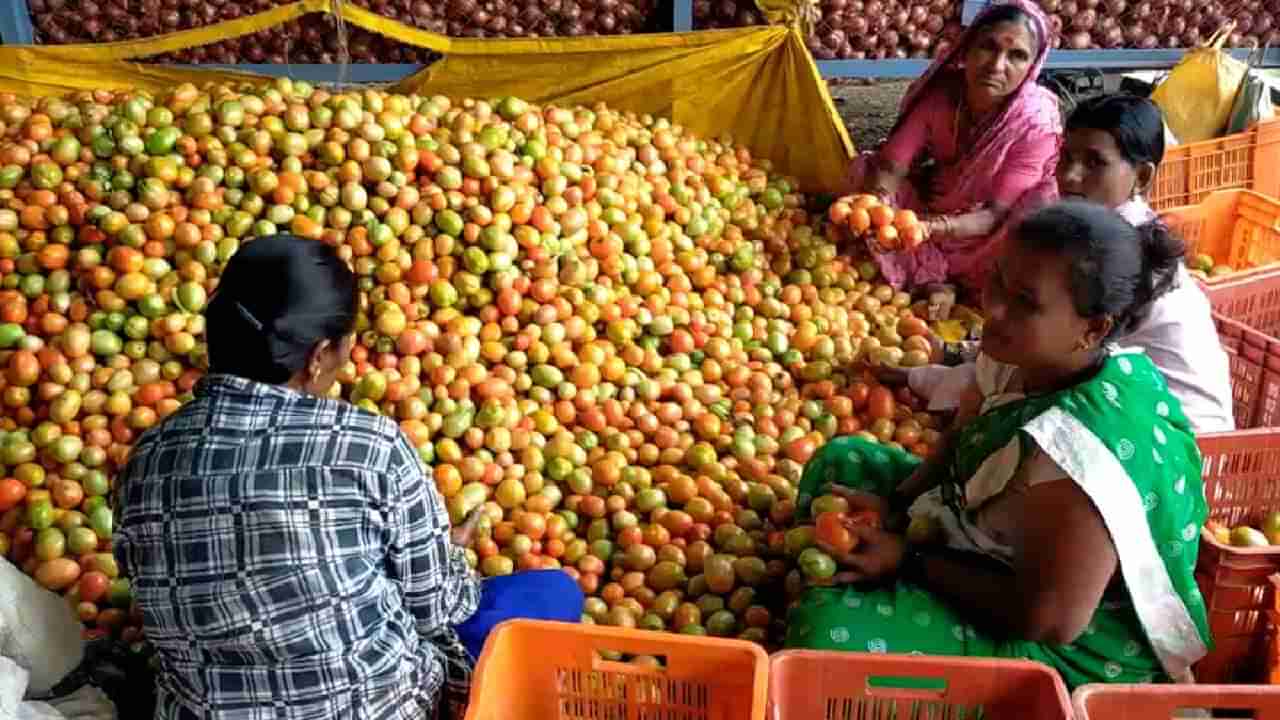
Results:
1112 147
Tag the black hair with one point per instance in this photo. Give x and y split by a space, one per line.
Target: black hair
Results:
999 14
1135 123
278 297
1116 269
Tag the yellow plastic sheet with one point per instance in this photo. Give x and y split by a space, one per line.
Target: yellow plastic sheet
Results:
758 85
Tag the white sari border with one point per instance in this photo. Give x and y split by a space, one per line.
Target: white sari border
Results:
1091 464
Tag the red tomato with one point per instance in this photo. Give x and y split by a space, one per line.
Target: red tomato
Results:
880 403
832 531
11 493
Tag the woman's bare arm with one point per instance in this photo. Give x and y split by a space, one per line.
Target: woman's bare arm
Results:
971 224
1065 561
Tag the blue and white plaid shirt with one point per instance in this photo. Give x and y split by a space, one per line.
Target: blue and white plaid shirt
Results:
292 560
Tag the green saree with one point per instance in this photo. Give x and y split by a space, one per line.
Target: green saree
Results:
1122 438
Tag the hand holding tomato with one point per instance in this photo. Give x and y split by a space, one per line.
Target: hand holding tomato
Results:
833 534
879 555
861 503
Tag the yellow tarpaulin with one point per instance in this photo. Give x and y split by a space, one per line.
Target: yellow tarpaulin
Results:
758 85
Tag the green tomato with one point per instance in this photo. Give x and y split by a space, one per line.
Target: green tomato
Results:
40 515
102 521
817 565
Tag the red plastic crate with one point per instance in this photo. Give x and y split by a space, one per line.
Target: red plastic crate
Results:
1161 702
1249 160
811 685
1240 471
1252 300
1254 360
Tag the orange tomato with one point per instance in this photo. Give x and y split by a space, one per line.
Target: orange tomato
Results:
887 237
882 216
859 220
912 237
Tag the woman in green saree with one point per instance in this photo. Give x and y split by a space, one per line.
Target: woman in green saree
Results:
1068 498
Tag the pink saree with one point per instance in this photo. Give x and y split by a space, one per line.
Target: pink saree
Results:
1013 158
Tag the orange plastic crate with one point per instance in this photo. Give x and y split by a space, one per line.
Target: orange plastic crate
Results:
1240 471
1161 702
1249 160
1239 228
809 685
532 670
1254 361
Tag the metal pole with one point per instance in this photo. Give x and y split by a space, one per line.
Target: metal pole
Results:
15 23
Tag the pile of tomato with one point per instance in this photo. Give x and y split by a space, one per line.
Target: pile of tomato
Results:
620 340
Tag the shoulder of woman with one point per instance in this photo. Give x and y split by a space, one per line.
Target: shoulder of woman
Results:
1038 112
352 419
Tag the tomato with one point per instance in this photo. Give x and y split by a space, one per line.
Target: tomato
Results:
827 504
12 491
880 403
58 573
832 532
817 565
93 586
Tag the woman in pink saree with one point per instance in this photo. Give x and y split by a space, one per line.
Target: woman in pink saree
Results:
976 136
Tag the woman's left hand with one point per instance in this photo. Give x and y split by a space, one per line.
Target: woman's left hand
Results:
878 556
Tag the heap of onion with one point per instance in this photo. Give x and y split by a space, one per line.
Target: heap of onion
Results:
313 39
880 29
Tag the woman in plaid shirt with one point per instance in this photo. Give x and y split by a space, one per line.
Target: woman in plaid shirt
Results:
291 555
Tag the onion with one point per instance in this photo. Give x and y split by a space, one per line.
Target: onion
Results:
1079 40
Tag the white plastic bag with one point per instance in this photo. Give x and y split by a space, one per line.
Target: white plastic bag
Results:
38 630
